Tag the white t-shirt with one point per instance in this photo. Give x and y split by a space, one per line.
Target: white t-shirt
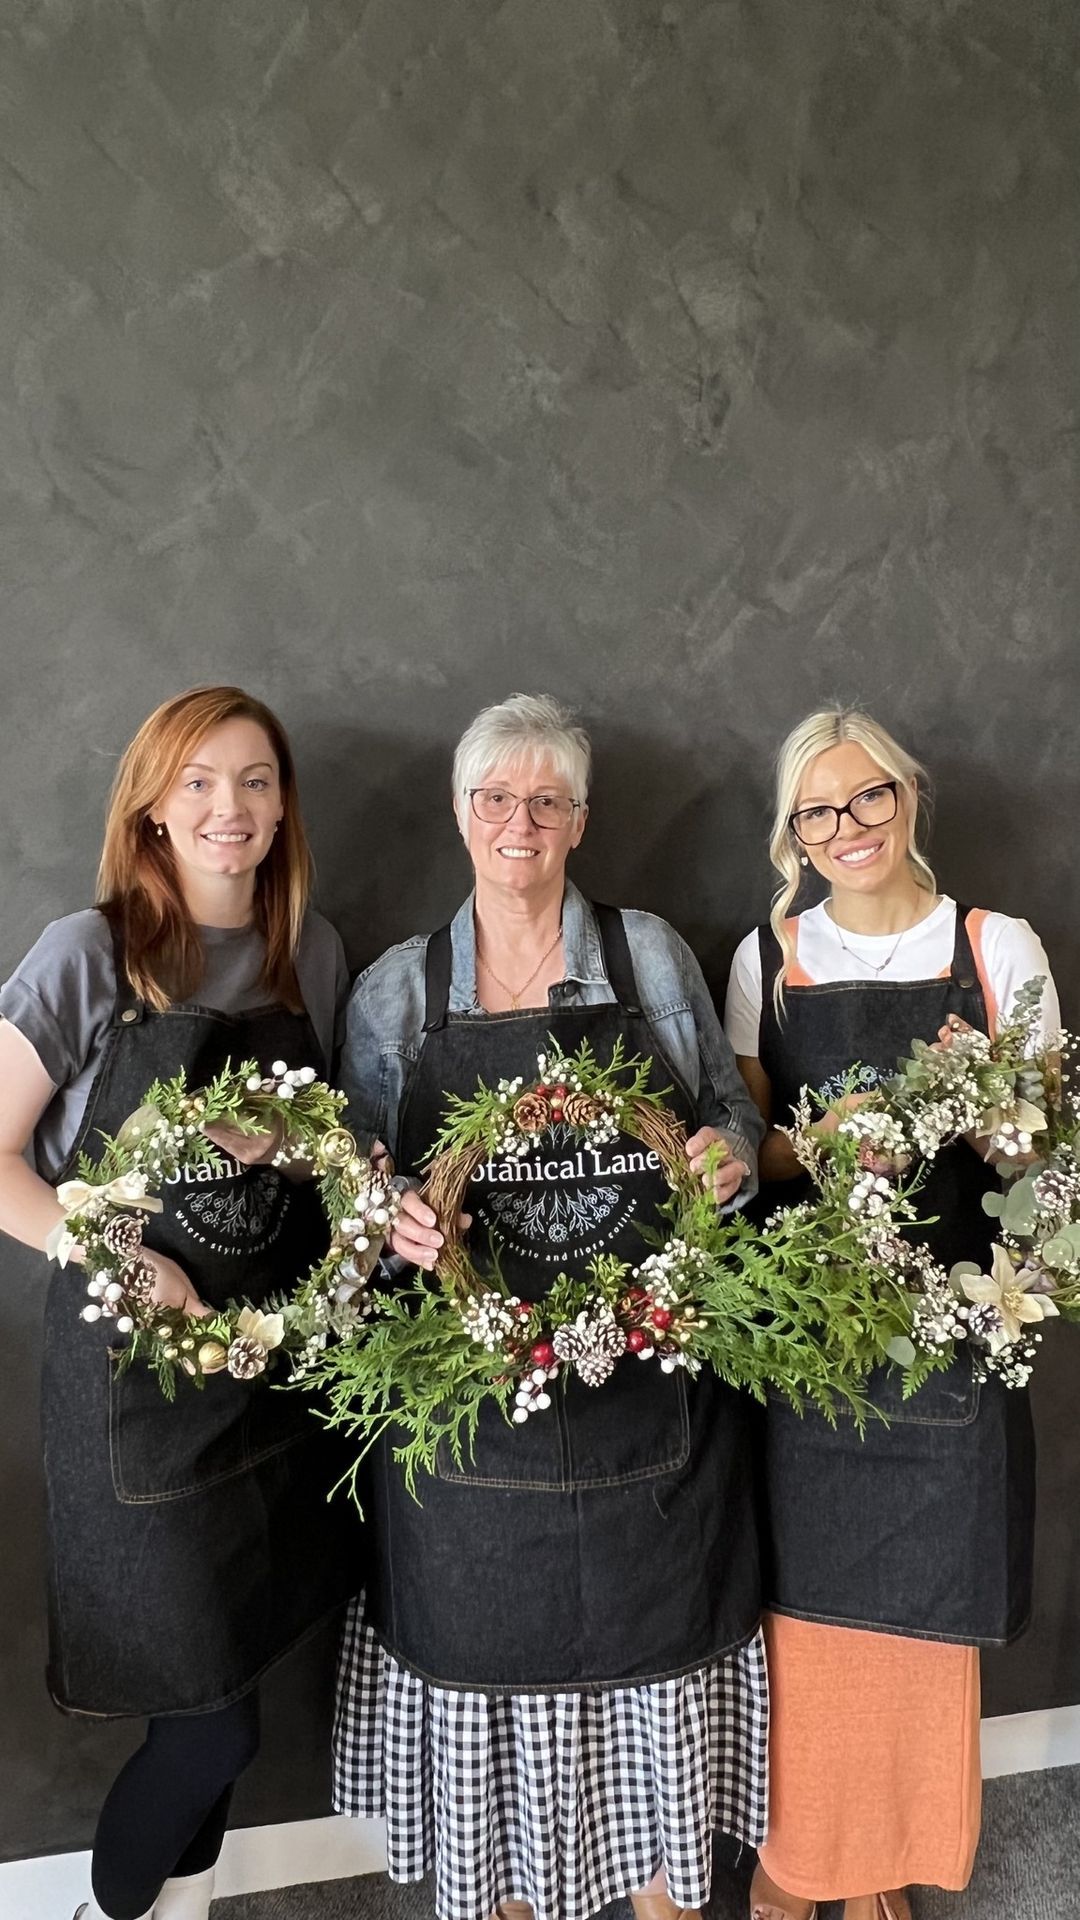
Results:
1011 954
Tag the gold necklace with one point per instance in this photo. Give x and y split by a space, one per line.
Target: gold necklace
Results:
516 993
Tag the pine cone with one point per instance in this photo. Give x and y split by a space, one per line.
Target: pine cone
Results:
581 1109
123 1235
591 1347
247 1359
138 1278
532 1113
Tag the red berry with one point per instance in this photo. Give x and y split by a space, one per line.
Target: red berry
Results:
559 1094
637 1293
661 1317
524 1310
543 1354
635 1340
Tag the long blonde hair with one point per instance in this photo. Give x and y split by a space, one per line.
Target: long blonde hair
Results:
138 883
832 727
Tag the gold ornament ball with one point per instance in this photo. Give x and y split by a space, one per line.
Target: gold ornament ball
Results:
336 1148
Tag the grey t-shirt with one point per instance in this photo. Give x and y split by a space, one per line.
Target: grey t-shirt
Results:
62 998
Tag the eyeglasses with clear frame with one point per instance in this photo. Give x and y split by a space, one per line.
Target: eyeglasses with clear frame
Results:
874 807
496 807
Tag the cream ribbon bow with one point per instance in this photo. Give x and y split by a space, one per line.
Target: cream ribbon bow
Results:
127 1190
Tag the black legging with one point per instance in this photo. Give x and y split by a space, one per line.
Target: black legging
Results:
166 1811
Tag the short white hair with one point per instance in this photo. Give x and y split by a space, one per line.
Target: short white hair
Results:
524 730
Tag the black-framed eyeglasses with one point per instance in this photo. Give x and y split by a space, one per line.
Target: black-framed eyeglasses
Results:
496 807
814 826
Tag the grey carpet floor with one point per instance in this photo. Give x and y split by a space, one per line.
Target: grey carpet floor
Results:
1028 1869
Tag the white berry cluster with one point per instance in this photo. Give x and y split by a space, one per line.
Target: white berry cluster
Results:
881 1130
281 1080
488 1317
937 1320
1010 1140
672 1273
532 1395
941 1120
871 1195
1013 1364
511 1142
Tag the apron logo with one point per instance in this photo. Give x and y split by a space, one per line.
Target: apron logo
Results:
841 1083
563 1195
241 1211
556 1216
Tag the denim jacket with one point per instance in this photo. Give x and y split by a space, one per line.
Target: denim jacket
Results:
384 1031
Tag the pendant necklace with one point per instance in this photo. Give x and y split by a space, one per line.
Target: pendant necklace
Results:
514 994
863 962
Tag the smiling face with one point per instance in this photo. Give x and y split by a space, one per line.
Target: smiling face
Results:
859 859
518 855
223 807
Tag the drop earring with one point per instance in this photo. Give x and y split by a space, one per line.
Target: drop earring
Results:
160 829
804 859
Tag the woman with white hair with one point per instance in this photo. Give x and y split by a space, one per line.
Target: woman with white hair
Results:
555 1691
896 1555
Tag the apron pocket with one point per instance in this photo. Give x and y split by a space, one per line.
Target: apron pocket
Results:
159 1451
634 1427
946 1399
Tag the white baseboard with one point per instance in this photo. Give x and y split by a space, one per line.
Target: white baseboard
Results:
257 1859
1030 1742
253 1860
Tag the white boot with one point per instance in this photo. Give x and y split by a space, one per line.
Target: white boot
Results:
186 1898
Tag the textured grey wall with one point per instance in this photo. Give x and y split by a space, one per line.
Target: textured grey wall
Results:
696 361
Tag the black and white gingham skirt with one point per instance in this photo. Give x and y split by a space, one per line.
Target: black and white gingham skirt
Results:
566 1800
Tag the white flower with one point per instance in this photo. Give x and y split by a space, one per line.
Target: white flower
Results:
268 1329
1007 1290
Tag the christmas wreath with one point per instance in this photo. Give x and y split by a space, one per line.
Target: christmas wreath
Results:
107 1208
807 1305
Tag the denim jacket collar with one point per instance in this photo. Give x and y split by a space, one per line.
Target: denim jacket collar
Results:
583 956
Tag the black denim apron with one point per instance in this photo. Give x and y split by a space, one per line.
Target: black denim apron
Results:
924 1527
190 1544
610 1539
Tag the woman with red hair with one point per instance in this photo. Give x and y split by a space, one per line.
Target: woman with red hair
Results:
189 1546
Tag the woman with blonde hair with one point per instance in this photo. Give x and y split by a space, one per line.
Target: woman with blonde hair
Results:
189 1546
895 1556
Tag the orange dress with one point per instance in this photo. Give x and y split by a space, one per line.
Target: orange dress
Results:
874 1774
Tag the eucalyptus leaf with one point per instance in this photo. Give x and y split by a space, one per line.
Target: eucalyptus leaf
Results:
901 1350
994 1204
1064 1246
1018 1213
964 1269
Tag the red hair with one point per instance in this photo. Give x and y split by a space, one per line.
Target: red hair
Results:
138 882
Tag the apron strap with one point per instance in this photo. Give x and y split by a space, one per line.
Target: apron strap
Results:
968 969
772 959
438 961
129 1009
963 969
618 964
